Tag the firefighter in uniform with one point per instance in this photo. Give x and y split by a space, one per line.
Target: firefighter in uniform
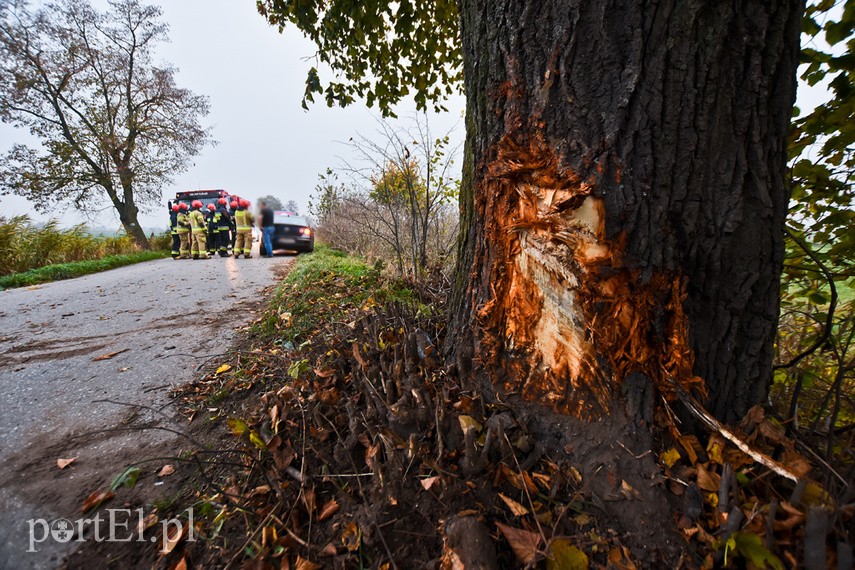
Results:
197 231
243 223
183 221
223 225
173 230
211 219
234 205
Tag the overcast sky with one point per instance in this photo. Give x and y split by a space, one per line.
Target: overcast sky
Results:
254 78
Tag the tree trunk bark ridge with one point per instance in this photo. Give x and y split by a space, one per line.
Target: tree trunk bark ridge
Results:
624 196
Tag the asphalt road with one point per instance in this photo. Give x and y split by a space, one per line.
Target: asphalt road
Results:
163 318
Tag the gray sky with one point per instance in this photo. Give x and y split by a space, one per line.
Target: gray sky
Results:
255 78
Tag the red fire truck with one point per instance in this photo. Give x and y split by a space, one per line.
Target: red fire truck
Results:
206 197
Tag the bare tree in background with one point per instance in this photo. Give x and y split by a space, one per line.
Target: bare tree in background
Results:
110 121
398 201
292 206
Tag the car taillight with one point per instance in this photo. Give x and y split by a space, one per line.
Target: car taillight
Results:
306 231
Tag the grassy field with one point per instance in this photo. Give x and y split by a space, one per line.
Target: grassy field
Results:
25 246
31 254
73 269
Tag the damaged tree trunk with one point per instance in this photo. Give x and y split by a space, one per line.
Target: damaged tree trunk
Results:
623 199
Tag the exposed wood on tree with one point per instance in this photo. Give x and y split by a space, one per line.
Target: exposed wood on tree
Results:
624 196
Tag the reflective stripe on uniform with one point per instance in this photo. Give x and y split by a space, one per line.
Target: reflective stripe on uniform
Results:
183 219
243 220
197 221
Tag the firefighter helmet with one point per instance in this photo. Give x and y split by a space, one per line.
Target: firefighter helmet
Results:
196 204
175 208
244 203
183 206
222 201
212 207
234 204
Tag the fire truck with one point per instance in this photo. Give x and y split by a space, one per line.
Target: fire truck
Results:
205 196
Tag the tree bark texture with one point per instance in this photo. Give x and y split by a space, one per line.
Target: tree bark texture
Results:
623 196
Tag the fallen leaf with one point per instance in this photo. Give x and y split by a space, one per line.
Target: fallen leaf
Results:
324 373
166 470
95 499
627 491
565 556
670 457
523 542
274 418
708 480
620 560
816 495
309 500
543 479
715 449
796 463
329 550
362 363
330 508
109 355
223 368
689 442
582 519
237 426
303 564
174 537
429 482
516 508
63 463
351 537
127 478
468 422
182 564
148 522
285 319
751 547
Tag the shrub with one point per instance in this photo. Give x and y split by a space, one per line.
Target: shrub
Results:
25 246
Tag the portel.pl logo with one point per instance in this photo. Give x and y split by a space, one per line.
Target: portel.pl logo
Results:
120 525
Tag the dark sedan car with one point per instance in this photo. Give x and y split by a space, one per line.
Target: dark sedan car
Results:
293 233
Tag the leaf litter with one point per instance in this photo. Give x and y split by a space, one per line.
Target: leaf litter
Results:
355 447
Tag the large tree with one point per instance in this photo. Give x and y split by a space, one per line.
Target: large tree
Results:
272 201
624 194
109 120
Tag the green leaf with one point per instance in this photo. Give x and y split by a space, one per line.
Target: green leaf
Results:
818 298
751 547
127 478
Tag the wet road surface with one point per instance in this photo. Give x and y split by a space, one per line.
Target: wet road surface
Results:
163 319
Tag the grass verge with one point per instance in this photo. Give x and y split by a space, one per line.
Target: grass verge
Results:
73 269
323 287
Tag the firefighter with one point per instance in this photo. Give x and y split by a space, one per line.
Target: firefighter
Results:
197 231
243 223
211 219
173 230
234 205
183 221
223 227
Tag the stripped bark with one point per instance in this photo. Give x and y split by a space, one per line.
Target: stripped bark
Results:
623 198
